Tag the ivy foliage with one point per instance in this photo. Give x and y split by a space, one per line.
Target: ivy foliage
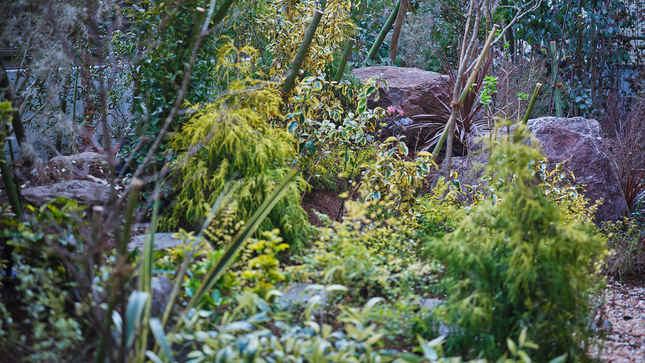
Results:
519 261
285 24
391 181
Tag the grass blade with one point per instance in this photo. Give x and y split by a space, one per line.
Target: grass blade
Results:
236 244
160 336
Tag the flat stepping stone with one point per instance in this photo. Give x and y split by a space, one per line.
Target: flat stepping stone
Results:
85 192
161 242
432 303
298 294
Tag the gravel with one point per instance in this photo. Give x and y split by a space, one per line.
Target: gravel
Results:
625 312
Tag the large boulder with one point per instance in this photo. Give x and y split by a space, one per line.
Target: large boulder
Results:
415 91
578 141
83 191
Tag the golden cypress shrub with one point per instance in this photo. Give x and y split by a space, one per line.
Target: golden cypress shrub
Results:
232 138
520 260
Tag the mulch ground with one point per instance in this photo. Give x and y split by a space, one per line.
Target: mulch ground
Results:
326 202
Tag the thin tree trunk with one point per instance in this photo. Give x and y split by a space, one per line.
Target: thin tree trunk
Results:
397 29
16 121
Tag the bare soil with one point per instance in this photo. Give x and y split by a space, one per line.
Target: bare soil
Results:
323 201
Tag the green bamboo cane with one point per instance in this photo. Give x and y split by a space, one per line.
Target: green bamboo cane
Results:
464 92
532 103
554 70
221 12
343 61
381 36
198 21
302 52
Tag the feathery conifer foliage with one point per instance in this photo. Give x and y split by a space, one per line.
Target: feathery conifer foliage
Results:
234 139
517 261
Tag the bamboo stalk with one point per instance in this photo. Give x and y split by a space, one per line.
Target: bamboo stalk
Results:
554 69
532 103
343 62
464 93
221 12
381 36
302 52
198 20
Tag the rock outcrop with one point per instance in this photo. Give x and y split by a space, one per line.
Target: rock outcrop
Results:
82 158
577 142
161 241
161 291
415 91
83 191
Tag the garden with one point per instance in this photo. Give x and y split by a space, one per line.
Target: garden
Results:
322 181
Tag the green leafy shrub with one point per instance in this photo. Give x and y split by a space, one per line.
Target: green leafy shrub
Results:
391 181
370 254
158 72
440 210
262 267
515 262
54 333
231 138
244 335
50 318
400 322
625 241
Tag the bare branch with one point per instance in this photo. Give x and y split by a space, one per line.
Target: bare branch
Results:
518 16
